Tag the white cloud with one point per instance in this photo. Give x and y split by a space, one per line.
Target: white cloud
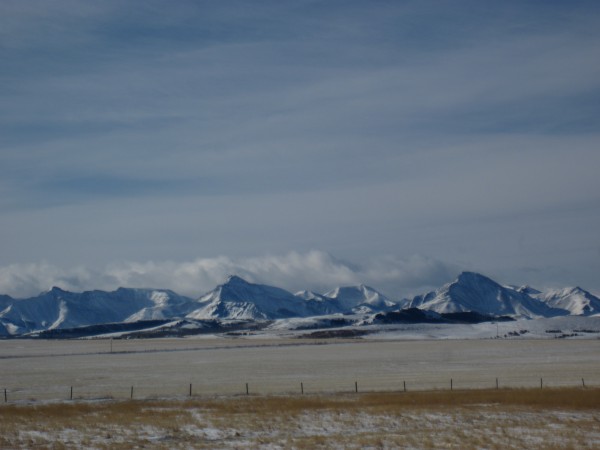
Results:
294 271
22 280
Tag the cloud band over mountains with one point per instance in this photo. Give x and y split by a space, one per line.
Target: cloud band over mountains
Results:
316 270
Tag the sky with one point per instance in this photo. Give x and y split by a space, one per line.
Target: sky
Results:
304 144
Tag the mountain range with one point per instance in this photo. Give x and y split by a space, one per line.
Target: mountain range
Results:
237 299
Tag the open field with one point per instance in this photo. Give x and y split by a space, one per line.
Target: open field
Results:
46 370
493 419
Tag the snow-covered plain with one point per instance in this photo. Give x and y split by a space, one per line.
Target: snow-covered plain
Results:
45 370
276 364
571 327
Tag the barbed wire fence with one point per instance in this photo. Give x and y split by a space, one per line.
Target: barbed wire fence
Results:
202 389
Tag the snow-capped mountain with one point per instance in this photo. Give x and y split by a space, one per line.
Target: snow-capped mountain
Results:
165 304
239 299
475 292
57 308
575 300
360 299
319 303
129 308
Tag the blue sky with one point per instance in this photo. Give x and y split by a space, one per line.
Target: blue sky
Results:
306 143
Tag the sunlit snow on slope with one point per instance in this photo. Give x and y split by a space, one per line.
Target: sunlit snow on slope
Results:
62 314
475 292
575 300
360 298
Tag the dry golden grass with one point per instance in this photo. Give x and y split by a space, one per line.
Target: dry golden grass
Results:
520 418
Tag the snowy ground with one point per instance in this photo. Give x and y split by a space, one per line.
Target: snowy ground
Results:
568 327
276 366
45 370
333 421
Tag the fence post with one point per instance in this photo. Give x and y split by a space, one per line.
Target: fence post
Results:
541 383
131 394
302 388
450 383
247 391
71 393
356 386
496 383
583 382
190 389
5 397
404 385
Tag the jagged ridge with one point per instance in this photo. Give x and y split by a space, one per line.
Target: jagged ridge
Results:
239 299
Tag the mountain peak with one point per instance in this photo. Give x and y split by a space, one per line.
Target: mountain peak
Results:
469 277
240 299
309 295
575 300
234 279
526 289
352 297
55 290
475 292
